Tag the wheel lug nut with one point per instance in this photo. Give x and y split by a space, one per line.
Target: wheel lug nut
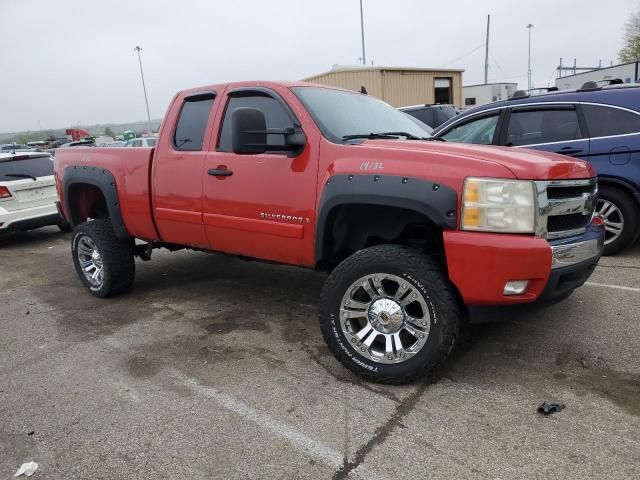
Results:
422 335
401 355
353 340
363 349
424 324
390 357
404 286
414 296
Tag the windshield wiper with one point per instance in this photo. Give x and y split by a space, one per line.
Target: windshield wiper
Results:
20 175
408 136
435 139
384 136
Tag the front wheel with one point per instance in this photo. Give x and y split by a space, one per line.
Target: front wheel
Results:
103 262
620 215
389 314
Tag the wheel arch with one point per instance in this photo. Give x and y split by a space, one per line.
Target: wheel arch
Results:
621 185
88 190
354 208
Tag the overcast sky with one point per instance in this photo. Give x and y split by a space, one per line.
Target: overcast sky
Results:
64 62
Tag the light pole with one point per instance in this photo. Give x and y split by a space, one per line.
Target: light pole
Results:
529 27
144 87
364 56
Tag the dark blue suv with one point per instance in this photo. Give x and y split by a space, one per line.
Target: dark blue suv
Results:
597 124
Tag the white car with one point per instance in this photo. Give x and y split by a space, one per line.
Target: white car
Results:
141 142
28 192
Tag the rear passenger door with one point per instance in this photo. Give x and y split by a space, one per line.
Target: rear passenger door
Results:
177 170
614 136
552 128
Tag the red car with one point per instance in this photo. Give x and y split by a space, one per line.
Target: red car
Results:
411 231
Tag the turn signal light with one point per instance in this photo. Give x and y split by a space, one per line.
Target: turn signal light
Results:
4 192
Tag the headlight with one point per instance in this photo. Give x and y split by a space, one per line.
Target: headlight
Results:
492 205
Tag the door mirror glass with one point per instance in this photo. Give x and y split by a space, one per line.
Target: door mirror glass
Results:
248 131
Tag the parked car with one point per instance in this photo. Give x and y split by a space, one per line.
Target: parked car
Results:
15 147
432 115
79 143
141 142
411 231
600 125
427 129
28 192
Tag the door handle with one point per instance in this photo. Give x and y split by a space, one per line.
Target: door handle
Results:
220 172
569 150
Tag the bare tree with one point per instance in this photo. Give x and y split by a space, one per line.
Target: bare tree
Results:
631 50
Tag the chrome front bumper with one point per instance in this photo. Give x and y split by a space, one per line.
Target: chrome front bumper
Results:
588 246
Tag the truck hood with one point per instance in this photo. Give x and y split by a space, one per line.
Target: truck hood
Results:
525 164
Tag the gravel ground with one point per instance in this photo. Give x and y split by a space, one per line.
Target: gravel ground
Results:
214 367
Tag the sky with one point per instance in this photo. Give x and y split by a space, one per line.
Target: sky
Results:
64 63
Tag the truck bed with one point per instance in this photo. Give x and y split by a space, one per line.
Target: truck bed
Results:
131 169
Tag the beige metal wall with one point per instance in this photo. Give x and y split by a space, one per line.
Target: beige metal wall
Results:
397 87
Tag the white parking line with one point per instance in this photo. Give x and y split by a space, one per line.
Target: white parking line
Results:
606 285
299 440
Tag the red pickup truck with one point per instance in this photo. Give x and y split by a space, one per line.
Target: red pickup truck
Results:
411 231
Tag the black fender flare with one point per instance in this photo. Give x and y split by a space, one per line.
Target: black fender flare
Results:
439 203
102 179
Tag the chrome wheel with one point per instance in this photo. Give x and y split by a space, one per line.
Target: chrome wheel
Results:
613 220
90 261
385 318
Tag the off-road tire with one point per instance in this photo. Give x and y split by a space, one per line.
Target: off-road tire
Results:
631 214
117 257
422 273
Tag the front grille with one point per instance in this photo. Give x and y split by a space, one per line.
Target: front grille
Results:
573 221
569 192
565 207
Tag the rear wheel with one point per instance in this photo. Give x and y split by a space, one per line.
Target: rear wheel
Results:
389 314
103 262
620 215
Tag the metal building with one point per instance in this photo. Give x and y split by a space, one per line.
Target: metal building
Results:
475 95
625 72
398 86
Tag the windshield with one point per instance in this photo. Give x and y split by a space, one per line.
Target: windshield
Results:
339 113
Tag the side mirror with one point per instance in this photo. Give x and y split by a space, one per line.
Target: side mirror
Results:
249 134
248 131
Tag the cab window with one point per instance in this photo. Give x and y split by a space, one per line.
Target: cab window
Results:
478 130
192 122
274 113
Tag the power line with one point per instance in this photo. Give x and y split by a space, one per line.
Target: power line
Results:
463 56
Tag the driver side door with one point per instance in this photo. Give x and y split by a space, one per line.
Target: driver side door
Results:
262 205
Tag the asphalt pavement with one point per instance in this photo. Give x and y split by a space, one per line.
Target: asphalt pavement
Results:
214 367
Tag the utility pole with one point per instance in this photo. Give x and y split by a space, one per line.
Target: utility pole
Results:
144 87
529 27
364 56
486 53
